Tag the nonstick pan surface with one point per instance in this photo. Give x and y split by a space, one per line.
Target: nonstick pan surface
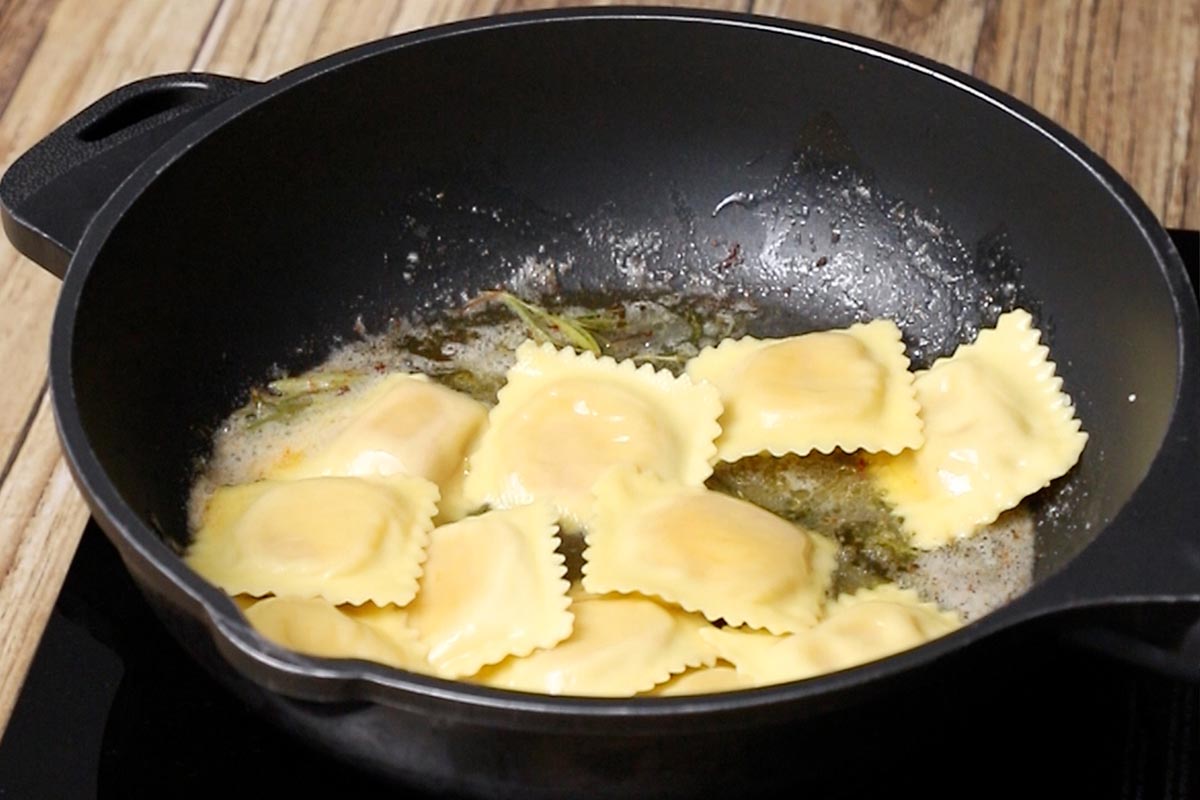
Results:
217 231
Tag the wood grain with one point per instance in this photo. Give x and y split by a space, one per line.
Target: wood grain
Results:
40 500
74 64
21 26
86 50
1122 76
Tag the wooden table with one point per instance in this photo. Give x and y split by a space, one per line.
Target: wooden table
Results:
1123 76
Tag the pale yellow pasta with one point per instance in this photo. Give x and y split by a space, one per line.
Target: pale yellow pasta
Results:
392 622
493 587
863 627
683 591
404 425
848 389
316 627
563 418
705 680
620 646
997 428
244 601
348 540
706 551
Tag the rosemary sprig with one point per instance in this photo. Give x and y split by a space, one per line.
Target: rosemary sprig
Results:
312 383
544 326
286 397
608 319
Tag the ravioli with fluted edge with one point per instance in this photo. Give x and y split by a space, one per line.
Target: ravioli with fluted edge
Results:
347 540
705 551
848 389
404 425
316 627
621 645
563 418
703 680
865 626
493 587
555 526
998 427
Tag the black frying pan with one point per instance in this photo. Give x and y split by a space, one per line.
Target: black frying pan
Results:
213 229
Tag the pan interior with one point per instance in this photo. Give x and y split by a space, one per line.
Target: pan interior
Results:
822 183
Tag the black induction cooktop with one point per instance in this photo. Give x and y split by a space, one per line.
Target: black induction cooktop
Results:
114 708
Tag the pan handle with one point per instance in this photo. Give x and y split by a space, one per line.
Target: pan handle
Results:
1134 594
51 193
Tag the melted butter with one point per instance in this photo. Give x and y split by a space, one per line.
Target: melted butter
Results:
972 576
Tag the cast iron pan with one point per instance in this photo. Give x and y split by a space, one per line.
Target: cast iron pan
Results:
212 230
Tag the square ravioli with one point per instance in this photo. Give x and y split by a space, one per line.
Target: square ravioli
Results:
998 427
858 628
848 389
705 551
347 540
493 587
620 646
316 627
564 418
405 424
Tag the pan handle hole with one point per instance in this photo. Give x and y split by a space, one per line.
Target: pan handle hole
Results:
140 107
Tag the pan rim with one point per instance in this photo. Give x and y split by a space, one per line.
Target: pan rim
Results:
312 678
